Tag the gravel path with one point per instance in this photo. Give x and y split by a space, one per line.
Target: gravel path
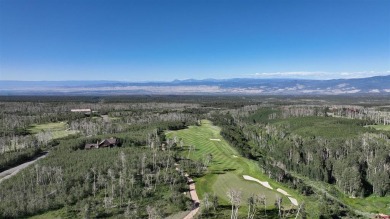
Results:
194 197
10 172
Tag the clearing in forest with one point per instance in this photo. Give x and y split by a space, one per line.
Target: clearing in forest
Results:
227 167
55 129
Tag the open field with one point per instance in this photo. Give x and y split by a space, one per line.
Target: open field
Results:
227 167
56 129
380 127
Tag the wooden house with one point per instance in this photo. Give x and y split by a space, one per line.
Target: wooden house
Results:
110 142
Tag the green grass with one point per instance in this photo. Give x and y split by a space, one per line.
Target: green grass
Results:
328 127
231 180
364 206
57 129
225 171
380 127
376 204
179 215
55 214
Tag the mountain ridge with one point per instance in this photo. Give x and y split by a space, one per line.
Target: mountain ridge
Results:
283 86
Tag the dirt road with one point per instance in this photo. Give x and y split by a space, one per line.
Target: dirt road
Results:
10 172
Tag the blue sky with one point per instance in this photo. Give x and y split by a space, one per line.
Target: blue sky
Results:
167 39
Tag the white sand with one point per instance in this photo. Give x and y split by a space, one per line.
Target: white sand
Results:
282 191
215 139
293 201
265 184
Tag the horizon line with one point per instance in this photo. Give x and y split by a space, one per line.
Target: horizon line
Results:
203 79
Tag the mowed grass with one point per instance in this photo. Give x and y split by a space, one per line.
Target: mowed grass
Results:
380 127
227 167
231 180
57 129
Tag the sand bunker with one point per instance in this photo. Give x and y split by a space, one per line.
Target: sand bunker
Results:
293 201
282 191
215 139
265 184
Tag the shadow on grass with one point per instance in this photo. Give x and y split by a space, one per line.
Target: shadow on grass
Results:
269 213
218 172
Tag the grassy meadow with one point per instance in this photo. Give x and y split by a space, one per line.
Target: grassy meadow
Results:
56 129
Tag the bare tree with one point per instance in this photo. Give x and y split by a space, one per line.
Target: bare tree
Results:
252 205
94 187
190 149
131 210
262 199
206 202
301 207
235 200
112 176
278 204
143 164
215 202
152 212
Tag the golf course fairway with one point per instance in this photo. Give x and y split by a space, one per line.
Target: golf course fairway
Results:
227 168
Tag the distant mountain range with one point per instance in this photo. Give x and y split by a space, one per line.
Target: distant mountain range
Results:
235 86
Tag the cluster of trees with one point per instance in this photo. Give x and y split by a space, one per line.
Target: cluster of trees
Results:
9 160
359 112
127 181
18 145
136 180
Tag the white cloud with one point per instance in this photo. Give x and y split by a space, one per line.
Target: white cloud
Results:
288 74
374 91
342 85
319 74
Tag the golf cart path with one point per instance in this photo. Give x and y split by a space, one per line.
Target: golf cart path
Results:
193 194
13 171
194 197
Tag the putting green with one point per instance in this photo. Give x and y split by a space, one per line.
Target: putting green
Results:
227 167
